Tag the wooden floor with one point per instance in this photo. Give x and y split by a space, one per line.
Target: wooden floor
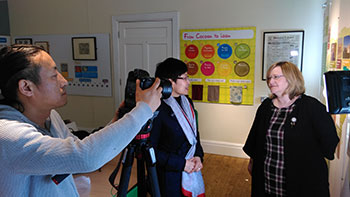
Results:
223 176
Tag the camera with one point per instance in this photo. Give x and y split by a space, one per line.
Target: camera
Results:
145 82
140 147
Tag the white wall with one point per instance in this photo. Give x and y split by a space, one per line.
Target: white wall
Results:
339 168
223 127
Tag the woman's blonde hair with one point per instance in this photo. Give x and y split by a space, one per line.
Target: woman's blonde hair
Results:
293 76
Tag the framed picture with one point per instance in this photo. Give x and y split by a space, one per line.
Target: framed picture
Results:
43 44
84 48
23 41
282 46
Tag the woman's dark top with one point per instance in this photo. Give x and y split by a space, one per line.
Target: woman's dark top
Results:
308 140
171 147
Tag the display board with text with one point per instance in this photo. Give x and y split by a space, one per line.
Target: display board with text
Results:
220 64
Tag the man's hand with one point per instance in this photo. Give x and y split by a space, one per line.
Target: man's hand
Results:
151 96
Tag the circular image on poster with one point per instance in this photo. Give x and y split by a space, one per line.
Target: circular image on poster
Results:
242 69
207 68
242 51
191 51
192 68
224 68
225 51
208 51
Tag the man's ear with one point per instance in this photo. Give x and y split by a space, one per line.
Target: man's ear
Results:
25 87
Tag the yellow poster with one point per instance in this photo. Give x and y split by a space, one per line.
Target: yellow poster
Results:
220 64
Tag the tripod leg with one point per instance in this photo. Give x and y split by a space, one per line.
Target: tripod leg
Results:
151 171
126 171
141 180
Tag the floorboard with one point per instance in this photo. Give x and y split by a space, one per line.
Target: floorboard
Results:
223 176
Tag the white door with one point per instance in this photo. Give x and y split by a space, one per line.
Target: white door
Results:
142 44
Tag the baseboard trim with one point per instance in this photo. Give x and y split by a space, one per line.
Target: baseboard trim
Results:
214 147
223 148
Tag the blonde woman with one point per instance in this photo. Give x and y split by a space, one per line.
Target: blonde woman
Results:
290 138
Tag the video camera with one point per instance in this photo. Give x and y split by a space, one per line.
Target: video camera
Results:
140 147
145 82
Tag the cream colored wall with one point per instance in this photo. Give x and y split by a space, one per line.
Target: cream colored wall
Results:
218 122
339 168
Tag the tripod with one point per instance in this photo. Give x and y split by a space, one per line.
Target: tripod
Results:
143 152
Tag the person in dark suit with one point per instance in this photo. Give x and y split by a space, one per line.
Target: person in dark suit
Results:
290 138
175 136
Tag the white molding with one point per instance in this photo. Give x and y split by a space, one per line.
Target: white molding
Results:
214 147
223 148
174 17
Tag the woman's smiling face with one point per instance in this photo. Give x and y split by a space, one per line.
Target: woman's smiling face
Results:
277 82
181 85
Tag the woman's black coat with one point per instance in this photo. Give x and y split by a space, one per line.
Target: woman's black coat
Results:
307 143
171 147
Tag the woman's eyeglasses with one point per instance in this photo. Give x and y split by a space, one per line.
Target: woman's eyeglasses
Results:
275 77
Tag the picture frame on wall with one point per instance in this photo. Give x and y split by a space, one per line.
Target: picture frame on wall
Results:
282 46
43 44
84 48
23 41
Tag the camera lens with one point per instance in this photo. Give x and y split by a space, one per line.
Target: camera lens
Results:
147 82
167 88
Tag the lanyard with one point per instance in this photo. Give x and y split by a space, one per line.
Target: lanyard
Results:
192 128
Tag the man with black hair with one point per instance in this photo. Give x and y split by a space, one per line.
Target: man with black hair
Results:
35 144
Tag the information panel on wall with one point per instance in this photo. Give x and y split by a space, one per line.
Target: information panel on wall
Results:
220 64
4 41
88 72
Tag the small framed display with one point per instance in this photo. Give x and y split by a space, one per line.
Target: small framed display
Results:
282 46
43 44
84 48
23 41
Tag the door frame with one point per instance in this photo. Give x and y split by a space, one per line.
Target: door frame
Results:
159 16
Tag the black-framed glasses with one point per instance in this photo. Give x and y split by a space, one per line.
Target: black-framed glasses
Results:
184 78
275 77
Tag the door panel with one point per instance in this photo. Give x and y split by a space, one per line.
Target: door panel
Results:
132 55
156 50
142 45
